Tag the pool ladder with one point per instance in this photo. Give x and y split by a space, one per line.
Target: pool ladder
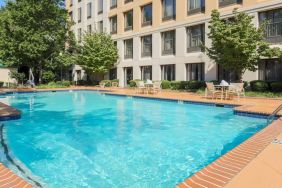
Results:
272 116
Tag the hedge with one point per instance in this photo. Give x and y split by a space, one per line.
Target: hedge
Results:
183 85
107 83
276 86
133 83
259 85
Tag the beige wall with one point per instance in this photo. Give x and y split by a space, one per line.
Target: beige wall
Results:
4 76
181 14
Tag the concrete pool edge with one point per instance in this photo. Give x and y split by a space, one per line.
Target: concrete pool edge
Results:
225 168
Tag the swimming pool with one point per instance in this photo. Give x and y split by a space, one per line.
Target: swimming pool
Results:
87 139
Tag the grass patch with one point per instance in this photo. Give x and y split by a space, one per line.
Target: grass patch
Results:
264 94
52 85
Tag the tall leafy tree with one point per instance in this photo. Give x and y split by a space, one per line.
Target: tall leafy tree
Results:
32 33
97 53
237 44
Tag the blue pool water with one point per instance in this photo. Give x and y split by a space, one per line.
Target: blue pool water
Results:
86 139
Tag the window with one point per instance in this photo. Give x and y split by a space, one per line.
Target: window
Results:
223 3
270 70
227 75
168 42
147 15
100 26
89 10
113 74
146 72
195 71
127 1
195 37
89 28
168 9
128 20
113 26
113 4
168 72
128 49
196 6
146 42
128 75
100 6
273 30
79 15
79 33
79 0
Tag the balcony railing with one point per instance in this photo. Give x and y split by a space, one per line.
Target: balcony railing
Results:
273 32
224 3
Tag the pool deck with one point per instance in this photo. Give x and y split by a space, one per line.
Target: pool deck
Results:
257 162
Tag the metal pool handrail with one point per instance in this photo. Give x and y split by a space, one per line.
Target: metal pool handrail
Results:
271 117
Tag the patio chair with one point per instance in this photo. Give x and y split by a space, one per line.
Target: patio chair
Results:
114 84
211 91
236 89
140 89
156 87
102 84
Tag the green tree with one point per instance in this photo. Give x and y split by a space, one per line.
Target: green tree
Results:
32 33
97 53
237 44
20 77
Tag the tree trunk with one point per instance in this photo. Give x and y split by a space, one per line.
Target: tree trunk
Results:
40 73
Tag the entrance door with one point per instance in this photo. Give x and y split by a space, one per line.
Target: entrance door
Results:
128 75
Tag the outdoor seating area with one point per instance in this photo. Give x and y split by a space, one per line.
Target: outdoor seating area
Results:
224 90
148 87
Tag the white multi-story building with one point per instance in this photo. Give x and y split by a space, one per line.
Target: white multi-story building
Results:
160 39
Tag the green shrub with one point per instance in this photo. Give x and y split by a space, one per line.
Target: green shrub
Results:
166 84
133 83
194 84
276 86
107 83
215 82
175 85
48 76
115 80
81 83
259 85
64 83
184 84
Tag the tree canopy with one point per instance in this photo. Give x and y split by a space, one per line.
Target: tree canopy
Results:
237 44
33 33
97 53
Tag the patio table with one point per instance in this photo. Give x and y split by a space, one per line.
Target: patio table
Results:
148 86
223 89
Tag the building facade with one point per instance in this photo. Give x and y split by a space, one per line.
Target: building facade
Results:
161 39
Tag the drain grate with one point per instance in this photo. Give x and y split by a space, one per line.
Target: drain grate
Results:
277 141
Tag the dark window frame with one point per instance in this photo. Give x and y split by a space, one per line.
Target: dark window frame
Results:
168 67
143 70
201 9
225 3
111 28
128 28
171 17
200 71
112 6
146 54
168 52
147 23
126 55
199 47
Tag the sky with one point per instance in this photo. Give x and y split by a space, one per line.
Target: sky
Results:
1 3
